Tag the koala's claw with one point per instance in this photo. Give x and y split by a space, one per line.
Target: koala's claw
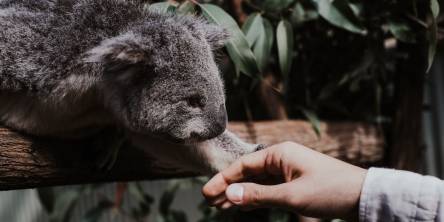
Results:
108 144
260 147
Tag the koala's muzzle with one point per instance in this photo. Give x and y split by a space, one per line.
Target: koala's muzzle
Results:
217 123
220 123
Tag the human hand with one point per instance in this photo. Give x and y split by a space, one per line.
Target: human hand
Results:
303 181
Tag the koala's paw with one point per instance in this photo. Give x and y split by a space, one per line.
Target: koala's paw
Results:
106 146
260 147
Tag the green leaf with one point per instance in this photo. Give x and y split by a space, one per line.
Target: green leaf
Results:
94 214
358 70
253 28
237 46
162 7
269 32
401 31
314 120
167 199
64 205
356 7
340 14
276 5
136 191
144 200
47 198
300 15
186 7
177 216
432 34
277 215
264 44
285 41
434 6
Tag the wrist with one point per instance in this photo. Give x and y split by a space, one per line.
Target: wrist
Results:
353 212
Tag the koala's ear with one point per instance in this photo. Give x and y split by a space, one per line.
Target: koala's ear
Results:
123 49
216 36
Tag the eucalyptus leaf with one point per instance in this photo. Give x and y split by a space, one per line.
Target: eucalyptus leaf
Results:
177 216
356 7
171 9
276 5
402 31
314 120
434 6
264 45
186 7
64 205
340 14
94 214
47 198
162 7
277 215
269 32
285 42
432 34
359 69
237 46
167 199
300 15
253 28
136 191
144 200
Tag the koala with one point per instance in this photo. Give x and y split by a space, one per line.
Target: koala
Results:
106 69
204 157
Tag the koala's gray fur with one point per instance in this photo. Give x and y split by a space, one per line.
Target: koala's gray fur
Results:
69 68
208 156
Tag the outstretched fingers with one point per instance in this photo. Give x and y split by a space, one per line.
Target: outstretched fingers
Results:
249 165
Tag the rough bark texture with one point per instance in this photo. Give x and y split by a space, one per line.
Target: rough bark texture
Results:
27 162
353 142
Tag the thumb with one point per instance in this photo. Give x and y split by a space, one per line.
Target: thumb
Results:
255 195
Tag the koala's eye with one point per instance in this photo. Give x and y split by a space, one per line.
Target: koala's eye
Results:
195 101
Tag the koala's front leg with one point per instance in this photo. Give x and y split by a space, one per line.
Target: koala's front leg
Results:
204 157
106 146
220 152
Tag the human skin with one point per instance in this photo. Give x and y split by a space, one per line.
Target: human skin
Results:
292 177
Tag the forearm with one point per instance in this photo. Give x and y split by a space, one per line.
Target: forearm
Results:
393 195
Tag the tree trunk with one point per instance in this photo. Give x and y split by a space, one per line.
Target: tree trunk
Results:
27 162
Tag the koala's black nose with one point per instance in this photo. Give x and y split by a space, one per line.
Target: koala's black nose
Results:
219 123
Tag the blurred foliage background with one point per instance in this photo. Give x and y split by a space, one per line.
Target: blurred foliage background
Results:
313 59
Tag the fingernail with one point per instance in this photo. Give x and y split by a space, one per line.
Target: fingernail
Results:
226 205
235 193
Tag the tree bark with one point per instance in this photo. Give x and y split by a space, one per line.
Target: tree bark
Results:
27 162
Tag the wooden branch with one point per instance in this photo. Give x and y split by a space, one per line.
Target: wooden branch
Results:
353 142
27 162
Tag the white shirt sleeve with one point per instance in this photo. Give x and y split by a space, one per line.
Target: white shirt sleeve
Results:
394 195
